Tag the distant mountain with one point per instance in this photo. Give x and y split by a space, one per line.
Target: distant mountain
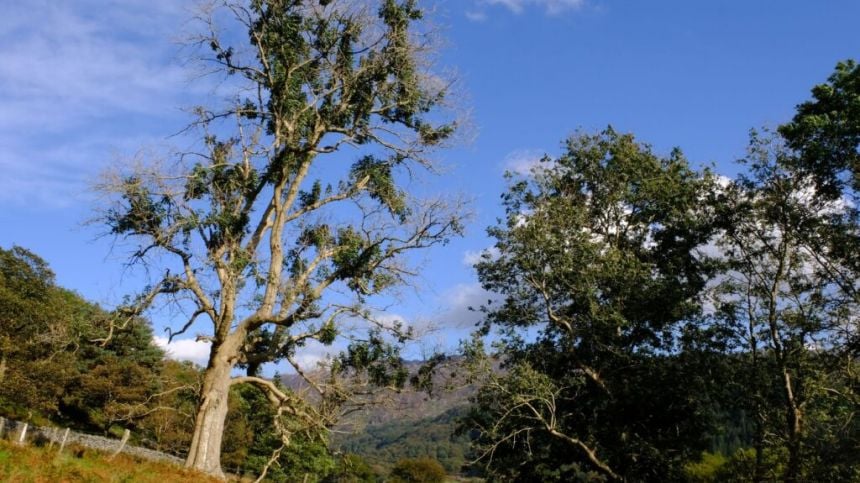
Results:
408 404
434 436
413 424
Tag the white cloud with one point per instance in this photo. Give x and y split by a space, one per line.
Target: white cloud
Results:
421 327
476 15
522 161
79 63
471 257
453 320
185 349
551 7
462 303
312 354
389 320
78 84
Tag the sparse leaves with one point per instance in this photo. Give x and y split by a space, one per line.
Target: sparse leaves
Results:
251 205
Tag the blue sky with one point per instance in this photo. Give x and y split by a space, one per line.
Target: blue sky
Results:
86 83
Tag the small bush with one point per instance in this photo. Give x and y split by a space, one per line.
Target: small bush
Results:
417 470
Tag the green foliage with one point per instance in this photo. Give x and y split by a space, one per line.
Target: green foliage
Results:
739 467
380 184
143 214
352 468
778 308
422 380
251 438
825 132
706 469
435 437
60 366
595 258
166 423
57 361
605 216
376 357
615 366
24 273
417 470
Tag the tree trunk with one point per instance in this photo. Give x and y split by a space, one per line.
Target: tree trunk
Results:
205 452
794 418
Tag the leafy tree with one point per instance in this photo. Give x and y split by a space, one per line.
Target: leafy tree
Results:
54 363
115 376
253 445
788 293
417 470
270 241
824 137
598 270
166 420
352 469
783 300
825 132
604 261
34 362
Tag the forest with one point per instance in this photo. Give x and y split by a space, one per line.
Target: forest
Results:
651 318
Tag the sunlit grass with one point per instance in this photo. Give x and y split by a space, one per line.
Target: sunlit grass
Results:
43 465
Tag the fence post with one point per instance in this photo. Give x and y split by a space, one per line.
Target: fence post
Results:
22 437
125 436
2 425
63 443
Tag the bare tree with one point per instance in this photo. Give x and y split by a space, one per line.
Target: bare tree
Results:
261 232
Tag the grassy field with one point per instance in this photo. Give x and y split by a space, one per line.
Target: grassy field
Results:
38 465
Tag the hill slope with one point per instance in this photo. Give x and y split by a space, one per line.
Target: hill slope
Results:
38 465
413 424
385 443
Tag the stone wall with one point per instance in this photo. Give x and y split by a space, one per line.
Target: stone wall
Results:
11 430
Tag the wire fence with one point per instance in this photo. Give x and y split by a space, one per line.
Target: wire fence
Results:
25 433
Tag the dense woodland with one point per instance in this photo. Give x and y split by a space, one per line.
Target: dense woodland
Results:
660 323
653 320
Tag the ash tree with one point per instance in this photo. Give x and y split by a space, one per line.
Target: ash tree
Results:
291 213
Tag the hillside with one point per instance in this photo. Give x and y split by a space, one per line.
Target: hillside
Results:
409 404
412 424
385 443
39 465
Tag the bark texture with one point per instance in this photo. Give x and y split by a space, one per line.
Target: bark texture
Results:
204 454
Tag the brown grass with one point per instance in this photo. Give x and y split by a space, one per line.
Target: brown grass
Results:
41 465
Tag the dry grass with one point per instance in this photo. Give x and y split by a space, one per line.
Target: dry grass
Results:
40 465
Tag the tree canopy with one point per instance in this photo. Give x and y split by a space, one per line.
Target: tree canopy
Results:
54 363
659 323
596 257
291 213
